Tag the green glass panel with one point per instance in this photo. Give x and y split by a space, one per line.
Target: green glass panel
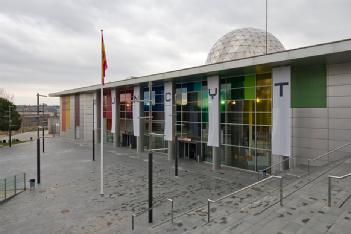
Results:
250 82
197 86
309 86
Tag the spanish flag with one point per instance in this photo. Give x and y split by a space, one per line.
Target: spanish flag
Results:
103 59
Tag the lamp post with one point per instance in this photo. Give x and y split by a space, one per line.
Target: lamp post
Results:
43 128
38 139
10 123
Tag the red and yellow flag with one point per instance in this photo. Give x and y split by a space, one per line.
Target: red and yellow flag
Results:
103 59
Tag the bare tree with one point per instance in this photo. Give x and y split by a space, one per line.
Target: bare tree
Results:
6 95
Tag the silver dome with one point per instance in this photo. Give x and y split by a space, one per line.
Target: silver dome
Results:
243 43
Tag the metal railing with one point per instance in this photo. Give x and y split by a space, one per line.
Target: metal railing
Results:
12 185
325 154
330 177
267 169
209 201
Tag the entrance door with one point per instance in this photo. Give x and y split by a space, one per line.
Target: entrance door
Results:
188 150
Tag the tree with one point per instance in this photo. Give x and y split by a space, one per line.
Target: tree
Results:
5 104
6 95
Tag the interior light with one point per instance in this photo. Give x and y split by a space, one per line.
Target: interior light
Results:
233 102
222 102
258 100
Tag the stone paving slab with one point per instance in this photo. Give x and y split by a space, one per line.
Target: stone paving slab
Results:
68 200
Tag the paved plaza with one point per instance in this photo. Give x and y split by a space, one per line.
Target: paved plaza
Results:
68 200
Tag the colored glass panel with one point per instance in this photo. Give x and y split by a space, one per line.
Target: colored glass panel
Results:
250 89
309 86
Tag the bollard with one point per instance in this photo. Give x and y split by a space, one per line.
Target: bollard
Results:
329 191
150 186
24 182
133 216
15 184
208 210
171 200
281 191
5 188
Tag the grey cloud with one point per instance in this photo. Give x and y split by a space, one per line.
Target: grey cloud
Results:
57 42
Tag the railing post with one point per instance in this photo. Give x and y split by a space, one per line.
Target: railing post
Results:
171 200
15 184
329 191
281 190
5 188
133 216
24 182
208 210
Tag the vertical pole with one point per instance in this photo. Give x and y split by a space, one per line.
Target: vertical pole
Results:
102 143
176 158
208 210
133 216
93 131
329 191
308 166
150 187
24 182
172 210
5 188
10 140
15 183
102 120
281 190
266 26
43 129
38 142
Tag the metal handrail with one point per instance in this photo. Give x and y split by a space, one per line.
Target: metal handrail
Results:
273 165
330 177
245 188
325 154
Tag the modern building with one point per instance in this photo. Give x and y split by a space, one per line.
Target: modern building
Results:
251 105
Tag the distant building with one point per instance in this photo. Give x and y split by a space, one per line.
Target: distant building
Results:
29 116
249 107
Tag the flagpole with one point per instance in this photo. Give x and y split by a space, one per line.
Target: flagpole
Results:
102 129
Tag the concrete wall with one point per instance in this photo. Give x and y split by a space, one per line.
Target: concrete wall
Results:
86 116
317 130
339 103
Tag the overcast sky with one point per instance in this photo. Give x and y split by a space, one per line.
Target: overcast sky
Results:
53 45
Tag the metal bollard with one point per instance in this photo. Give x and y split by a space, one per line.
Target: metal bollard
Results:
329 191
281 190
15 184
171 200
208 210
24 182
5 188
133 216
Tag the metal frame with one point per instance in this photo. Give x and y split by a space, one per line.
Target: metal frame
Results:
330 177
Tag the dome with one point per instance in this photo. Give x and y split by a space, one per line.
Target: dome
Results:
243 43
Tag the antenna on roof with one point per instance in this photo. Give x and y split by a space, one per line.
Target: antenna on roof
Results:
266 26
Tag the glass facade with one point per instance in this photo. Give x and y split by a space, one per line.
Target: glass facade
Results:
192 119
158 118
126 116
246 120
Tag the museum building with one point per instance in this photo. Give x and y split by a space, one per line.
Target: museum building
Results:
251 105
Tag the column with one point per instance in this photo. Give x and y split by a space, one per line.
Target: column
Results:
117 133
97 117
138 113
214 119
170 118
